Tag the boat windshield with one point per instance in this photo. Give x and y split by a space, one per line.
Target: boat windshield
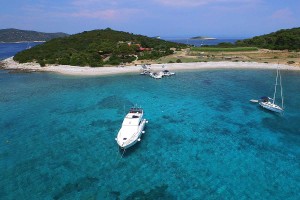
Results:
136 110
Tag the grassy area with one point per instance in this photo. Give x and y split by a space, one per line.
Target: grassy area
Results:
252 55
229 49
176 59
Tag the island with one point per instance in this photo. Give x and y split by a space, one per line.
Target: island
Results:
15 35
103 52
98 48
202 38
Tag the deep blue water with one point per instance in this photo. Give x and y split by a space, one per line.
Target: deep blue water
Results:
200 42
10 49
204 139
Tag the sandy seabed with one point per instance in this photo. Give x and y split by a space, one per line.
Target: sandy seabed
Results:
10 64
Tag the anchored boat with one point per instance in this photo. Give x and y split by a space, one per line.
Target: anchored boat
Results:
269 103
168 73
132 128
156 75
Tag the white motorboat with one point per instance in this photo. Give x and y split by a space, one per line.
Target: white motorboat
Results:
132 128
156 75
167 73
145 72
269 103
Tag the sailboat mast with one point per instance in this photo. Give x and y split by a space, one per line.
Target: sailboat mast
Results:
275 87
281 91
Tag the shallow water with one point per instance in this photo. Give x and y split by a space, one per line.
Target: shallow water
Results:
204 139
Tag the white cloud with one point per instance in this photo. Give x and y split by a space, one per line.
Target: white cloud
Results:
83 3
109 14
103 9
193 3
283 14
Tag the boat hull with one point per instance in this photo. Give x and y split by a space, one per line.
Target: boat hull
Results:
134 139
271 107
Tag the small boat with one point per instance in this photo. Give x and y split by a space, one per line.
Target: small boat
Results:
28 46
167 73
156 75
269 103
145 72
132 128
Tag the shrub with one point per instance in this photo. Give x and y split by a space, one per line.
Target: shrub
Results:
42 63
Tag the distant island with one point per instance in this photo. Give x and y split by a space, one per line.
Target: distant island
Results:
16 35
202 38
98 48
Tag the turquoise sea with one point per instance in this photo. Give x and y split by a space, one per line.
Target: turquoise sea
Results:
204 139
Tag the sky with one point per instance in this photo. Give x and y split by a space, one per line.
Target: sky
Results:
165 18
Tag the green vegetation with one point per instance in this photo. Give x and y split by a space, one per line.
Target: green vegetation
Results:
226 49
176 59
97 48
286 39
15 35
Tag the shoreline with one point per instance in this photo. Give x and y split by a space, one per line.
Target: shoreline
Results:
19 42
10 64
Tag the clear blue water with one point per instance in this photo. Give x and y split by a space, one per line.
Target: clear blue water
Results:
204 139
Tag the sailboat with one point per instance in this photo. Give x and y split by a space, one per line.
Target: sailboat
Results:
269 103
28 46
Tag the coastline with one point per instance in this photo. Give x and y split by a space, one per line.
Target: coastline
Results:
35 41
10 64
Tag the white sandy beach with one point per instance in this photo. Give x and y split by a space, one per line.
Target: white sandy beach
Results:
10 64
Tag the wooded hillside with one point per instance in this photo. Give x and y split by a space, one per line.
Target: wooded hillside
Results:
97 48
16 35
288 39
